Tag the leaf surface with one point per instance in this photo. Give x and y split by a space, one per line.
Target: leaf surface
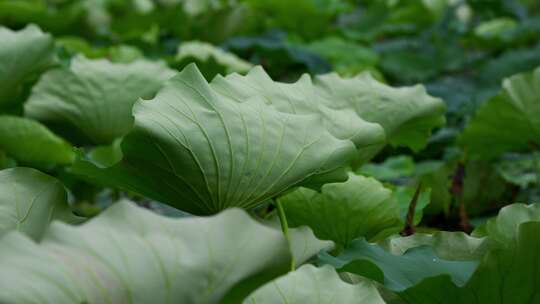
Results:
130 255
342 212
310 284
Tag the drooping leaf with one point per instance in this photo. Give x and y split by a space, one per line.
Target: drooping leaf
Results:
210 59
200 150
30 142
515 110
130 255
23 54
310 284
94 98
30 200
342 212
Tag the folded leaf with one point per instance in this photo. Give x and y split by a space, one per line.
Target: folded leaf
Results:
91 101
510 121
199 150
130 255
30 142
30 200
314 285
23 53
342 212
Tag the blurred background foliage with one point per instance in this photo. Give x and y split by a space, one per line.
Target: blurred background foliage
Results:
460 50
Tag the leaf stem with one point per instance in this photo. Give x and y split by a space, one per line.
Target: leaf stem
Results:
285 229
409 223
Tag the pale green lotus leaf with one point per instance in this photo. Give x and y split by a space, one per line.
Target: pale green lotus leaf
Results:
353 108
128 254
313 285
305 97
92 100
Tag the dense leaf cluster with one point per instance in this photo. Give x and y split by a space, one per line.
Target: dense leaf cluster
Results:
269 151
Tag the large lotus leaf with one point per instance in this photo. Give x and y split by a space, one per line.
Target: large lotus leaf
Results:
210 59
200 151
407 114
304 97
503 275
313 285
30 200
94 98
30 142
128 254
342 212
22 54
509 121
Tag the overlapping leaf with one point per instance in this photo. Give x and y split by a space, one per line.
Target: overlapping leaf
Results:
198 149
30 142
510 121
474 271
30 200
91 101
130 255
23 53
